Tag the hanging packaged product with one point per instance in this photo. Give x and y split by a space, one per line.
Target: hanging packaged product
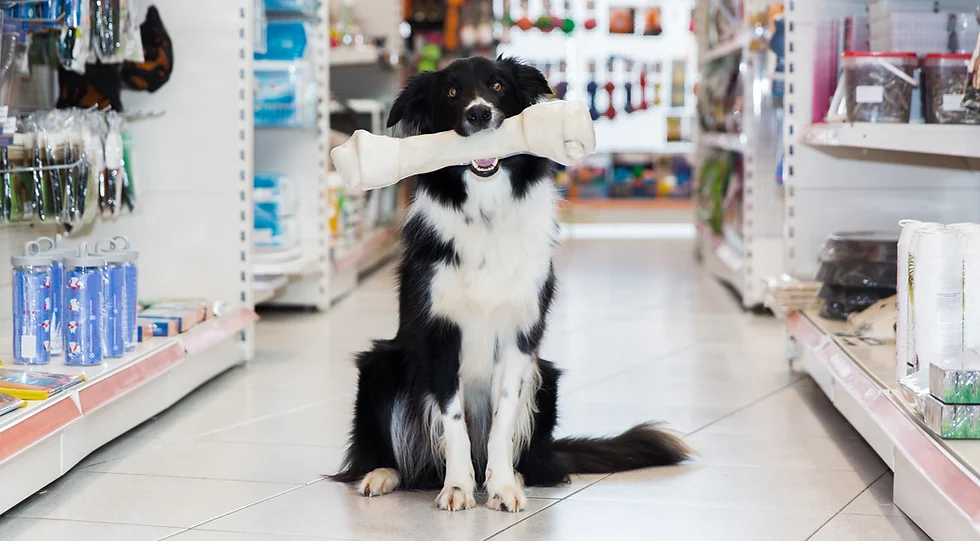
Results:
971 94
904 338
944 78
131 271
878 86
936 271
285 40
114 172
85 302
32 305
75 36
53 249
116 302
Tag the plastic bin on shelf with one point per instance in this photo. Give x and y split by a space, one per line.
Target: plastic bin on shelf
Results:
878 86
944 78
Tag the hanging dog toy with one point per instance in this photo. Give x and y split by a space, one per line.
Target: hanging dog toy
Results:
546 22
643 87
610 87
567 24
592 89
590 23
562 87
628 86
524 23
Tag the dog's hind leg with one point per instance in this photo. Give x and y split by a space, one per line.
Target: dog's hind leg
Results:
379 482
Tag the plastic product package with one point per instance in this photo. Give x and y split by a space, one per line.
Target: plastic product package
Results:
284 97
952 421
285 40
944 79
290 6
956 380
786 294
858 274
878 86
913 389
861 246
841 302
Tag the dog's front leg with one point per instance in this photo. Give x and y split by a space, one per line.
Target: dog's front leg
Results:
458 491
505 490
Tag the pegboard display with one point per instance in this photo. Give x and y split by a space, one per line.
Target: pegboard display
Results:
634 63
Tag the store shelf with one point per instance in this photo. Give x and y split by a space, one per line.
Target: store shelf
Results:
46 439
628 203
721 259
937 139
725 141
724 49
279 65
264 288
354 56
288 262
936 481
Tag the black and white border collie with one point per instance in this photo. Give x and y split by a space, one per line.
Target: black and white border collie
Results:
459 397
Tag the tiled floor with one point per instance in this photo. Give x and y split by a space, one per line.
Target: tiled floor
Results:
642 334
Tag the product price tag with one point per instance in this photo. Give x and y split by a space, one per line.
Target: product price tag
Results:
953 103
869 94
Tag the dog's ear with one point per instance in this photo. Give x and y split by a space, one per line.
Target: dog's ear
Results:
413 107
530 82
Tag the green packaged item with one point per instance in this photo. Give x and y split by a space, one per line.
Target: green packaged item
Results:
956 380
952 421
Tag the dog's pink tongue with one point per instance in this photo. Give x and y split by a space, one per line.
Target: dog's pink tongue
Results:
484 163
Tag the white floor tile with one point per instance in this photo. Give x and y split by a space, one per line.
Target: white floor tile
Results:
870 528
142 499
330 509
34 529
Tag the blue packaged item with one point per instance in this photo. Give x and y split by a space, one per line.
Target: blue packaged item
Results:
116 307
52 248
85 302
293 6
131 329
49 9
279 98
285 40
32 305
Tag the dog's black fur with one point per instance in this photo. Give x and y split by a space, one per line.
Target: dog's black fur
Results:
422 361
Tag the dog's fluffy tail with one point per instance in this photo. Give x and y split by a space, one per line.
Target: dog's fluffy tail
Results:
642 446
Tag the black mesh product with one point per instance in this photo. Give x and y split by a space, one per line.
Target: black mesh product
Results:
853 273
840 302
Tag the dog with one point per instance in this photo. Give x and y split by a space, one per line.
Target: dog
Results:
459 397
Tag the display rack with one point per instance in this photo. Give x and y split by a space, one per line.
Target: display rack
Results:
859 177
46 439
937 482
743 259
641 131
301 276
193 228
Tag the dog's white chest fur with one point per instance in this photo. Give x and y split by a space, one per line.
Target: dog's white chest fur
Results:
505 246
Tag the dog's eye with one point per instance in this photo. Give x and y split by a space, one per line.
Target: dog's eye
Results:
497 87
452 92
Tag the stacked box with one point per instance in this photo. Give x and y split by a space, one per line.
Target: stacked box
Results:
952 407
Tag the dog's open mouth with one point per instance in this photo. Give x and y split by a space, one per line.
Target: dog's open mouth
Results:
486 167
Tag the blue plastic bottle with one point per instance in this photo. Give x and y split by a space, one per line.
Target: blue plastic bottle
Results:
84 307
114 344
32 305
132 289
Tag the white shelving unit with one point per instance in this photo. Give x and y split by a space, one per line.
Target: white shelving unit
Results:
859 177
744 260
192 226
302 155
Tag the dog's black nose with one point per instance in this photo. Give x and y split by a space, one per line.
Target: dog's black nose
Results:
479 116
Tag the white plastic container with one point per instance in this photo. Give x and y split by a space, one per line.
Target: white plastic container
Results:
936 268
903 336
878 86
970 249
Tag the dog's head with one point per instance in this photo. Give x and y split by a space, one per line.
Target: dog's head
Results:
468 96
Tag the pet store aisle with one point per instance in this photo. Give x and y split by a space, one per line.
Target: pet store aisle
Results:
642 332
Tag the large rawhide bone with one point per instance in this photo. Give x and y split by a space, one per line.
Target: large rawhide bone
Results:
558 130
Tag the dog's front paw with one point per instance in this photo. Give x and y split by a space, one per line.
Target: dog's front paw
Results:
379 482
506 496
456 498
